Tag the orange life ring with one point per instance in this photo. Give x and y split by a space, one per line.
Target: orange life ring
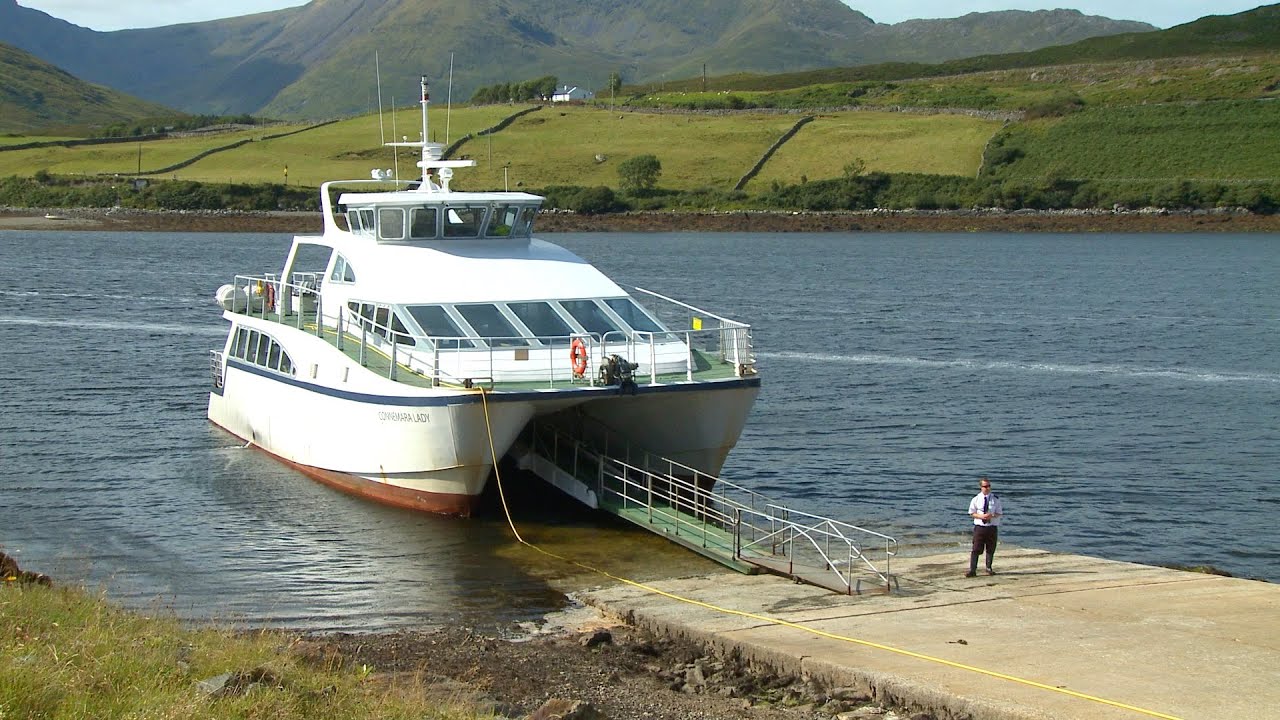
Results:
578 356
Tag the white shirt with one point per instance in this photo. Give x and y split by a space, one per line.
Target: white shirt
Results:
994 506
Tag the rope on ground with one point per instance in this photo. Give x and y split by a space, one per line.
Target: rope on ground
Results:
786 623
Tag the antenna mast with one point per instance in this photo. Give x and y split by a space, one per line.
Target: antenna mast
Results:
425 155
377 70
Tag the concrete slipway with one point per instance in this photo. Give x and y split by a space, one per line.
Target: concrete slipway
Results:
1049 636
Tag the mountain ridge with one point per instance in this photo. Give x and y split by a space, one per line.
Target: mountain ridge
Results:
316 60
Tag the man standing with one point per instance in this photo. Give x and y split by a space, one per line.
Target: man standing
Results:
985 509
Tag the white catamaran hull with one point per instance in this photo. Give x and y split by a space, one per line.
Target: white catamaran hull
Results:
433 452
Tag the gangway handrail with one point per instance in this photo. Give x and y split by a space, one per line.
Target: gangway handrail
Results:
771 536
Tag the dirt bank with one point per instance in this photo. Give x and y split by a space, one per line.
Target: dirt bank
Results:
605 670
870 221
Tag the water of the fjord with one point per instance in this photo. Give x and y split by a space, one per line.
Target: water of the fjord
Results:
1122 392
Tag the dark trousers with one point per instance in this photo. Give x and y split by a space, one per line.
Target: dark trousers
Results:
984 540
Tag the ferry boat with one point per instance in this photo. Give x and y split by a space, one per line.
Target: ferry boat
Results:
406 349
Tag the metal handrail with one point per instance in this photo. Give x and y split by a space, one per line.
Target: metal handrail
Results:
475 358
759 531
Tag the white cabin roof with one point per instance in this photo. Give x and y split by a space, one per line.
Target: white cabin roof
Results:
471 270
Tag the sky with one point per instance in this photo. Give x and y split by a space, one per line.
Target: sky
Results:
121 14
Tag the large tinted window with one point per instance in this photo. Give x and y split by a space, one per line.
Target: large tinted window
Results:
541 319
462 221
589 316
632 315
436 323
490 324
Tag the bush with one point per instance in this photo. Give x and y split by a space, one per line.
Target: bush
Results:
586 200
639 173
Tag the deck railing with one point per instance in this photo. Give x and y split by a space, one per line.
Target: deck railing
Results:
729 521
712 347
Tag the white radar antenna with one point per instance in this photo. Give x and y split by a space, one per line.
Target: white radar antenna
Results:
432 154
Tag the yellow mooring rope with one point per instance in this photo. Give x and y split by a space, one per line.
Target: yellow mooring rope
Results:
785 623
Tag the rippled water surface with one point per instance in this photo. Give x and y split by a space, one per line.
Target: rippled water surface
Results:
1122 391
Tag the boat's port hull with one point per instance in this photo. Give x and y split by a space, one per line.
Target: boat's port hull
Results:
393 491
434 452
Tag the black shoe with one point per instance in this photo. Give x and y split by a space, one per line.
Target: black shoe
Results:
990 571
971 574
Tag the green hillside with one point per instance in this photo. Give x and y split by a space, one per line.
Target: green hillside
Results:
35 95
1247 33
1227 141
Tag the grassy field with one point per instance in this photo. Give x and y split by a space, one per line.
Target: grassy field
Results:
559 147
1231 140
1133 82
344 150
120 157
68 654
885 142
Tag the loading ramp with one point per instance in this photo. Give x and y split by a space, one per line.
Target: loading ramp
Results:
715 518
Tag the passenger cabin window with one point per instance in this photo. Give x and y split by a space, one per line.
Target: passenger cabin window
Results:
342 271
422 223
260 349
381 321
436 323
462 221
391 224
541 319
490 324
366 221
633 315
589 316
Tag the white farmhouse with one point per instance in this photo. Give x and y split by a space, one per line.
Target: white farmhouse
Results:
566 93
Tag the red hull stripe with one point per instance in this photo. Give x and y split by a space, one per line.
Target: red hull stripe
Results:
440 503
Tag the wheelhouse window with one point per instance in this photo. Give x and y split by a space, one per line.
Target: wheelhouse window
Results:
391 224
490 324
541 319
463 221
422 223
361 221
590 316
510 221
439 326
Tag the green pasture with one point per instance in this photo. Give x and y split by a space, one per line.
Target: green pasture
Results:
559 146
1188 79
885 142
345 150
23 139
1230 140
121 157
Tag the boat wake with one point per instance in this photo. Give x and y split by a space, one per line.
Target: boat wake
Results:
114 326
1181 374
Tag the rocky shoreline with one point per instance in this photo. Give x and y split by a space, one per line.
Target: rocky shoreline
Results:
579 665
942 221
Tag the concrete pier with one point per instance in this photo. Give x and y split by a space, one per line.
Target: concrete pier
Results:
1049 636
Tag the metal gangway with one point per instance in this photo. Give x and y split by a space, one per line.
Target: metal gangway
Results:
730 524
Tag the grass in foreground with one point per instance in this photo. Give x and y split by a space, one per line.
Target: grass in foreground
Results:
67 654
